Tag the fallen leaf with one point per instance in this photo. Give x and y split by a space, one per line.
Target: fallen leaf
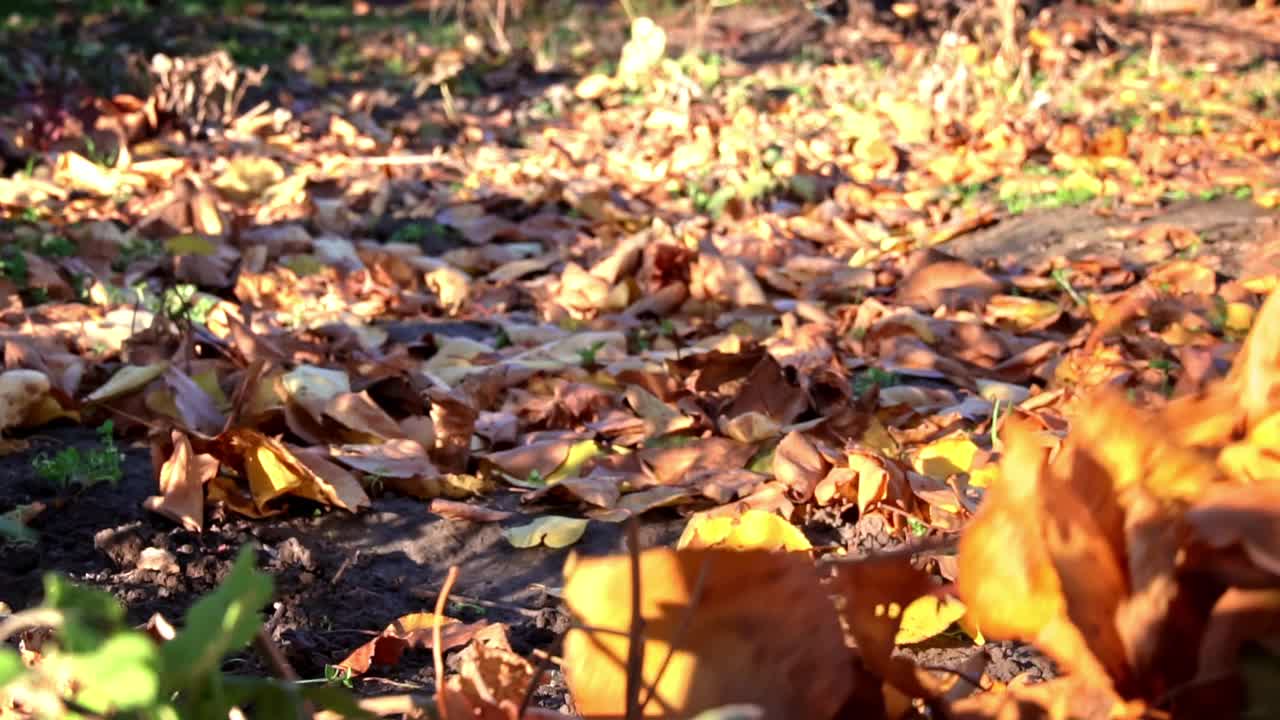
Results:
127 379
465 511
753 530
554 531
414 630
722 626
21 391
182 481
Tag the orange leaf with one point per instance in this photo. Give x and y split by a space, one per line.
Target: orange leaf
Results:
410 631
738 627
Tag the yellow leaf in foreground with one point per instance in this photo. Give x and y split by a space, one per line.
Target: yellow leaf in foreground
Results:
721 626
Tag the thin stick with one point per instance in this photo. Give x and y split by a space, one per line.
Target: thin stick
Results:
276 660
280 666
437 654
635 646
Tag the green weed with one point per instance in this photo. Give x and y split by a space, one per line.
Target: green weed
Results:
874 377
90 467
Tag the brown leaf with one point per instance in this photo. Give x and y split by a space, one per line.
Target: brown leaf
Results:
392 459
410 631
182 480
876 591
455 510
798 465
933 279
1008 578
197 410
360 413
768 391
492 679
455 421
1244 515
670 466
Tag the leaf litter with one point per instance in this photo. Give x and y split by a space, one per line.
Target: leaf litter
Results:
721 326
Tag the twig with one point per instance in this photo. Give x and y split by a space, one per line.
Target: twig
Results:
437 654
342 569
275 659
449 111
393 160
635 646
280 667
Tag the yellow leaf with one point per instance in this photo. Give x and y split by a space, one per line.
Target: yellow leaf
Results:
313 387
926 617
554 531
594 86
753 530
248 177
579 453
270 475
1239 317
1082 181
126 380
190 245
946 457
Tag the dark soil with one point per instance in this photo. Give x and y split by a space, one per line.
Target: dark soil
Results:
339 578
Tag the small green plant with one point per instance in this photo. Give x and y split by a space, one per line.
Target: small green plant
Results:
183 303
1165 366
55 246
334 676
13 266
870 378
587 356
462 606
98 156
136 249
13 530
98 666
73 467
918 528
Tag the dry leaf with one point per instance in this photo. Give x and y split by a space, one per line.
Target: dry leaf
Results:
744 625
